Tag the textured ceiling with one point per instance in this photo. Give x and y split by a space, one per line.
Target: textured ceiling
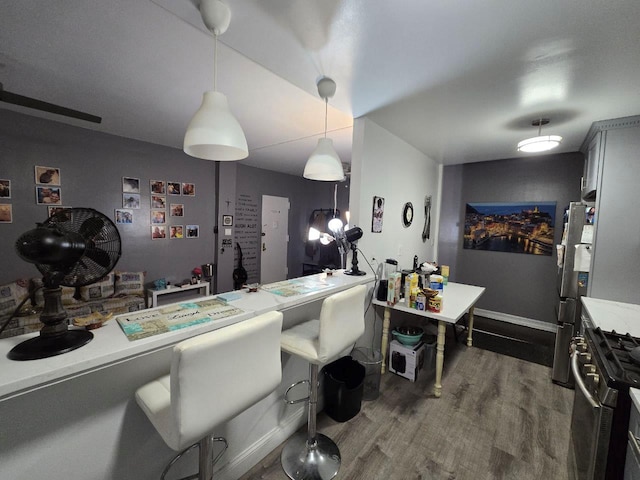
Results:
460 80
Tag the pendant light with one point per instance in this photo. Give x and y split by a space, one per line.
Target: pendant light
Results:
541 143
324 163
213 132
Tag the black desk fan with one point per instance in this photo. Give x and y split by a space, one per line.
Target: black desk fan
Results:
75 247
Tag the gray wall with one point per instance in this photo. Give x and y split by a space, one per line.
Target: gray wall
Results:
304 196
92 165
517 284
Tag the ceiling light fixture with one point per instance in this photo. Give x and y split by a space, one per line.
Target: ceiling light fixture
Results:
541 143
324 163
213 132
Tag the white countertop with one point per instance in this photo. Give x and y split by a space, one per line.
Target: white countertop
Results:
111 346
457 298
610 315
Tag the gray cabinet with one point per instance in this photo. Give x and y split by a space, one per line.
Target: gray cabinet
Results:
591 165
615 263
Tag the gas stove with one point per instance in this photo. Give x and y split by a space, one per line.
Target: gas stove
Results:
618 355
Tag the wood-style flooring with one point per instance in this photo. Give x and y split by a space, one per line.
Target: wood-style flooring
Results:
499 417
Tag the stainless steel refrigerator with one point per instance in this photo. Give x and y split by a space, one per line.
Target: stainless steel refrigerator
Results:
572 284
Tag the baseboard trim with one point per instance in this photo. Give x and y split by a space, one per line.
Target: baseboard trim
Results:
250 456
522 321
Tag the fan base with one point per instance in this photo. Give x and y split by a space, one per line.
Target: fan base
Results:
49 346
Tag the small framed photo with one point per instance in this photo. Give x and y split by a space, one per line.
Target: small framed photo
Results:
124 216
176 231
131 200
189 189
227 220
64 216
5 188
47 175
6 213
158 217
177 210
158 187
130 185
193 231
173 188
48 196
158 201
158 231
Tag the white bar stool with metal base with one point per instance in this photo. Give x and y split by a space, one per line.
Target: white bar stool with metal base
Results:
213 378
313 456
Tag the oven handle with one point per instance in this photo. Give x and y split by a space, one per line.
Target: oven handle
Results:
576 373
634 442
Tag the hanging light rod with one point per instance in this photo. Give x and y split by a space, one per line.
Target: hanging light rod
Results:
541 143
324 163
214 133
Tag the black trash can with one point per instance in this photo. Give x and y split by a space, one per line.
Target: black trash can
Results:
343 387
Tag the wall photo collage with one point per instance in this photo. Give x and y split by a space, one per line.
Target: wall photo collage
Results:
161 200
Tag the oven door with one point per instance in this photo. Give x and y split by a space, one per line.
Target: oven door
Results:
590 430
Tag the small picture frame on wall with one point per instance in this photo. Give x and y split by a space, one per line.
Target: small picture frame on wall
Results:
378 212
158 201
6 213
189 189
158 217
5 188
193 231
227 220
176 209
47 175
173 188
130 185
176 231
124 216
64 216
48 196
158 232
131 200
158 187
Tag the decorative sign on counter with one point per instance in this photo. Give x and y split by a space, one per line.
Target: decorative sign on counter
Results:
290 288
146 323
247 234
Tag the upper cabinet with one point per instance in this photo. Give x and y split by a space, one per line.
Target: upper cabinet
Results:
591 165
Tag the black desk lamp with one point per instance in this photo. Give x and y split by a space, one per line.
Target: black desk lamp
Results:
352 236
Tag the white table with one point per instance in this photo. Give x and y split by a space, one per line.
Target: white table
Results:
457 299
152 295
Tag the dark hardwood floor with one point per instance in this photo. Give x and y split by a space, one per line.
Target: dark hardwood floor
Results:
499 417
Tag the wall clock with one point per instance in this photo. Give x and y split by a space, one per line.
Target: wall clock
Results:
407 214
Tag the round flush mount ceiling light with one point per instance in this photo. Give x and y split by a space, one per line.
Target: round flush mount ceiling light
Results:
541 143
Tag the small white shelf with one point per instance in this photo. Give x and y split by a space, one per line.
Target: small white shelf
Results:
152 295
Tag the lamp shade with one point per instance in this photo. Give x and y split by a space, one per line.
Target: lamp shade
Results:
214 133
324 163
539 144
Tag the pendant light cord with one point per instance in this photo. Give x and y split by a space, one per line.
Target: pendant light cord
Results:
215 63
326 110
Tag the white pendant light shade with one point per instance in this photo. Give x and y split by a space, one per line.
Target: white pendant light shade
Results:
214 133
539 144
324 163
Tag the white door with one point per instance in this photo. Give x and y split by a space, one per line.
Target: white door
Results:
275 239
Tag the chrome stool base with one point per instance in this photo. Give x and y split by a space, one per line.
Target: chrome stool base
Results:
303 461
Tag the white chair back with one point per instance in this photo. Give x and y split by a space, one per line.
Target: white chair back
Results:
217 375
341 322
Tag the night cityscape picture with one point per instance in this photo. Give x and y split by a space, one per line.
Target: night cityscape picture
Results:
510 227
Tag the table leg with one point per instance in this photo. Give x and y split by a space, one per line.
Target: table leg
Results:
470 335
384 344
439 357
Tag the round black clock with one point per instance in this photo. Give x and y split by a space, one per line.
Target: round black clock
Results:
407 214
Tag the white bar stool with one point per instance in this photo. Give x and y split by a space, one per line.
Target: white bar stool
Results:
213 378
313 456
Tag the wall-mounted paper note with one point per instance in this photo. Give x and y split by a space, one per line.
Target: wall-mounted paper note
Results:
587 234
582 259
